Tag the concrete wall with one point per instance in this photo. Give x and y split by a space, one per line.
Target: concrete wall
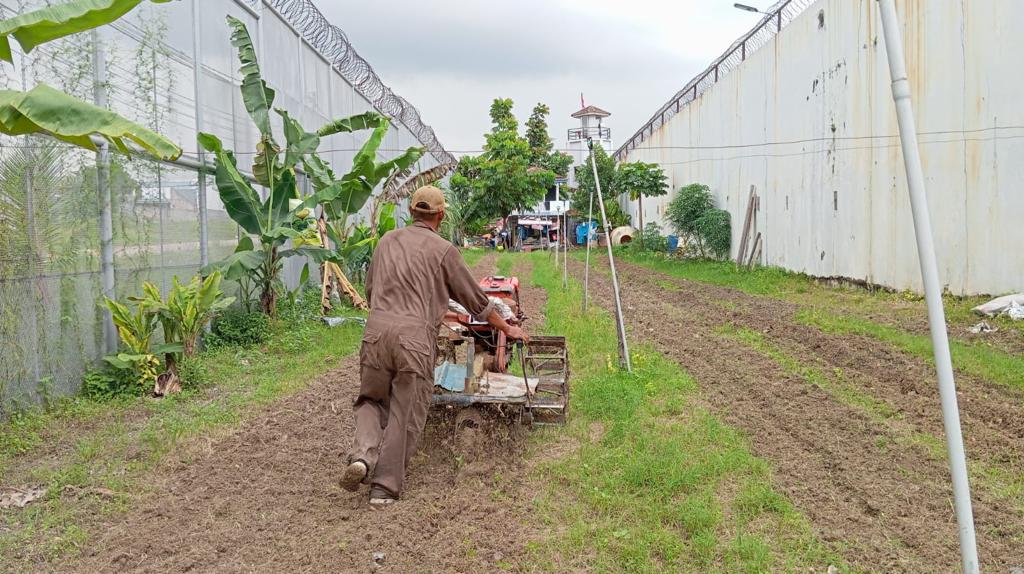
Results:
808 119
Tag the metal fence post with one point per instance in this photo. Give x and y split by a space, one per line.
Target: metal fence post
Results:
197 72
33 272
99 71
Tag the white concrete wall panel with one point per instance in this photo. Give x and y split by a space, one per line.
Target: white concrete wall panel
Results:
808 119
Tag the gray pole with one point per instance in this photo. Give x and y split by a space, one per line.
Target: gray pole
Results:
204 239
99 72
932 287
619 319
565 254
586 267
30 227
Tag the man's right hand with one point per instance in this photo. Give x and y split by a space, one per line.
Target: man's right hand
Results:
516 334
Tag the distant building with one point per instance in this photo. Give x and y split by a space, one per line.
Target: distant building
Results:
590 128
556 201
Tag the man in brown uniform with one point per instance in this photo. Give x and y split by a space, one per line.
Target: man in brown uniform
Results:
413 273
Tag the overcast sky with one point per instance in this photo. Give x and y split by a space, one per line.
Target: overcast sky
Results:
451 58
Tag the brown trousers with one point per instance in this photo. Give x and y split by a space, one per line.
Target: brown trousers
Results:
396 364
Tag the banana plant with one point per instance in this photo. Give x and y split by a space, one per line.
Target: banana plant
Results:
45 110
283 216
272 221
136 330
187 309
343 197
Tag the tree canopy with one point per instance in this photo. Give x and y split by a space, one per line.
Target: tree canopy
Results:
640 180
636 179
507 177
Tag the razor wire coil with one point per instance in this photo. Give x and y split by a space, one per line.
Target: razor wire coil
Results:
780 15
333 44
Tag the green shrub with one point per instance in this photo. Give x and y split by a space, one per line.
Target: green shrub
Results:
693 216
715 229
304 308
110 383
652 239
239 327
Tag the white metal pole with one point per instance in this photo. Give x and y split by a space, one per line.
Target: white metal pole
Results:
107 277
565 254
197 76
556 247
586 268
932 287
619 319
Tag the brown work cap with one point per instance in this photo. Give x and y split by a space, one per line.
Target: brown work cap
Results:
427 199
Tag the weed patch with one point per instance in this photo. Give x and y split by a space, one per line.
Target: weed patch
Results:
666 486
975 359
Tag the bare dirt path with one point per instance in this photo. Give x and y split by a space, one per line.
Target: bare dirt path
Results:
883 503
264 499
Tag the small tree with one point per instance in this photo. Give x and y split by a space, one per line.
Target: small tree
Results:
504 178
693 215
641 180
541 146
585 182
537 135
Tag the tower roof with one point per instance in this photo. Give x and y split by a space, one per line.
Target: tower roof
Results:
591 111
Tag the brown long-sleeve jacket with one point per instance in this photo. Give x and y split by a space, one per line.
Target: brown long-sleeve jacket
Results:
413 273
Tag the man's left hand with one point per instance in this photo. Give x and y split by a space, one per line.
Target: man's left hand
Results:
517 334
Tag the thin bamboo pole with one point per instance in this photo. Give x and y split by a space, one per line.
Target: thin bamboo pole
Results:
619 319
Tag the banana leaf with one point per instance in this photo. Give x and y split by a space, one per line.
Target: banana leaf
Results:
317 254
237 265
300 142
169 348
386 220
357 185
364 121
256 95
240 199
265 165
398 164
40 26
44 110
277 206
318 171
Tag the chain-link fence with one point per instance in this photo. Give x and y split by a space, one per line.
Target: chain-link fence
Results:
775 19
74 226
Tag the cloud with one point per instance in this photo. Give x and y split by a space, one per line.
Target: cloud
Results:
523 39
450 58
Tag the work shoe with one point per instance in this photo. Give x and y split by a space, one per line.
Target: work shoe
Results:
353 476
380 498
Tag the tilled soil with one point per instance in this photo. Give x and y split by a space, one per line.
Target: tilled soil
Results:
264 498
883 504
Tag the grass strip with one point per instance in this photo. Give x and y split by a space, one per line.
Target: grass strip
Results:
657 483
107 463
806 290
472 256
974 359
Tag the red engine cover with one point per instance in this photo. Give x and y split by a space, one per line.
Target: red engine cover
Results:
500 286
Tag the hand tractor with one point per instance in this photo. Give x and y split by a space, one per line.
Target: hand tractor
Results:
478 367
